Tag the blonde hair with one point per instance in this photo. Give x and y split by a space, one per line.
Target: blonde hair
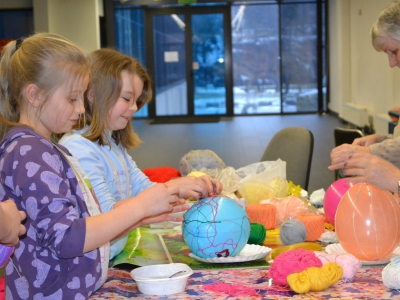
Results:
387 24
44 59
105 86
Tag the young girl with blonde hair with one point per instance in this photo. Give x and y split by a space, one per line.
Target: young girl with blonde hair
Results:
65 252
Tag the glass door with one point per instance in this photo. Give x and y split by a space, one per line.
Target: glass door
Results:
188 55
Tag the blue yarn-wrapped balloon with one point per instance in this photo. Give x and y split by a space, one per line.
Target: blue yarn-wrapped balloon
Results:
216 227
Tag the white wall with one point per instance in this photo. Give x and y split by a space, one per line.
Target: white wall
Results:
358 73
77 20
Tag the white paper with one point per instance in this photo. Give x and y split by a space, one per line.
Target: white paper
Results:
171 56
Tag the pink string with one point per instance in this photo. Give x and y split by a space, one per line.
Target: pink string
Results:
292 261
236 290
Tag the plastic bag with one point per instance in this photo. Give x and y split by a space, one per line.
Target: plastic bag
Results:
198 160
266 176
289 207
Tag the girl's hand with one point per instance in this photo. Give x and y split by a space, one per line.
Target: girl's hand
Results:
196 187
160 198
11 227
165 217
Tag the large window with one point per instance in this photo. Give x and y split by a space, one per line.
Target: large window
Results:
278 56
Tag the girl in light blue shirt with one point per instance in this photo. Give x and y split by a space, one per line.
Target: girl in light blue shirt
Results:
118 87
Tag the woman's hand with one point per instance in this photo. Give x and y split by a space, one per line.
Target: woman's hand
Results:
341 154
365 141
368 168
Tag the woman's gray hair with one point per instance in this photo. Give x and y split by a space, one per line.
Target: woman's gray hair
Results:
387 24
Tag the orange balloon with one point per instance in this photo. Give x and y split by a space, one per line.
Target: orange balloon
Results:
367 222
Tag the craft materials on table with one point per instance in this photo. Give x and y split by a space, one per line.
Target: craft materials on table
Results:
292 232
367 222
144 248
216 227
332 197
248 283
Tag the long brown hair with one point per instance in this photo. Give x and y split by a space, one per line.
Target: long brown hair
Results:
105 86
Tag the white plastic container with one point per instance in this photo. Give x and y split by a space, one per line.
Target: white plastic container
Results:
156 280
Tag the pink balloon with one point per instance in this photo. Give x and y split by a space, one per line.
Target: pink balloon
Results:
332 197
368 222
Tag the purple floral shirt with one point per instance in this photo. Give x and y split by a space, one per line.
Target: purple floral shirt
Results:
49 260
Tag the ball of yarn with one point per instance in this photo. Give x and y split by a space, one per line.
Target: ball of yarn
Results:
314 278
264 214
391 274
161 174
258 233
349 263
314 224
292 261
292 232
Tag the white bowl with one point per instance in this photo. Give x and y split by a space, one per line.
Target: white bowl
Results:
154 280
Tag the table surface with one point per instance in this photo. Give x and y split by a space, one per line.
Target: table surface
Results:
236 281
248 283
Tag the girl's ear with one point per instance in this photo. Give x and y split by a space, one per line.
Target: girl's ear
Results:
32 93
90 96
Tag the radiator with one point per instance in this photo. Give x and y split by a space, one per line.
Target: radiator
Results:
355 114
381 123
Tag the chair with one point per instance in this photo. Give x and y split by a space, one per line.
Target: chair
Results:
294 145
345 136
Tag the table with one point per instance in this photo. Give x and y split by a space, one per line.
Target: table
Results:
214 281
253 283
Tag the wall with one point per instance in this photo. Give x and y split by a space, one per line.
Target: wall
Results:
358 73
77 20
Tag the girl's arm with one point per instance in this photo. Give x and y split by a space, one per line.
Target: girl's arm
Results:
153 201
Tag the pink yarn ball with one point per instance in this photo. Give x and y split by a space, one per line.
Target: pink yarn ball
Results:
349 263
333 195
292 261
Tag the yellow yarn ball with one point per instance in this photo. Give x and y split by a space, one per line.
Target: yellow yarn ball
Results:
299 282
255 191
315 279
195 173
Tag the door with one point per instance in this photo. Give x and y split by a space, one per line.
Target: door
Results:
188 56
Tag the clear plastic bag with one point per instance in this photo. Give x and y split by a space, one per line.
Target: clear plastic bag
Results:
258 180
289 207
198 160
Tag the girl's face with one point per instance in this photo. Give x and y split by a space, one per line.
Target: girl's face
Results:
62 110
125 107
392 48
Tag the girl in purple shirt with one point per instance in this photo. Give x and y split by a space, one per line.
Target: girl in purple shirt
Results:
65 252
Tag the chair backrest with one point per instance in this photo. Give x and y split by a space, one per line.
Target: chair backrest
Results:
294 145
346 135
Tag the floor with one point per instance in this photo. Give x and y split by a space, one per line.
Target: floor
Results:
238 141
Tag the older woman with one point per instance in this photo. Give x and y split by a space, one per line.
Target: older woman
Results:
385 34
